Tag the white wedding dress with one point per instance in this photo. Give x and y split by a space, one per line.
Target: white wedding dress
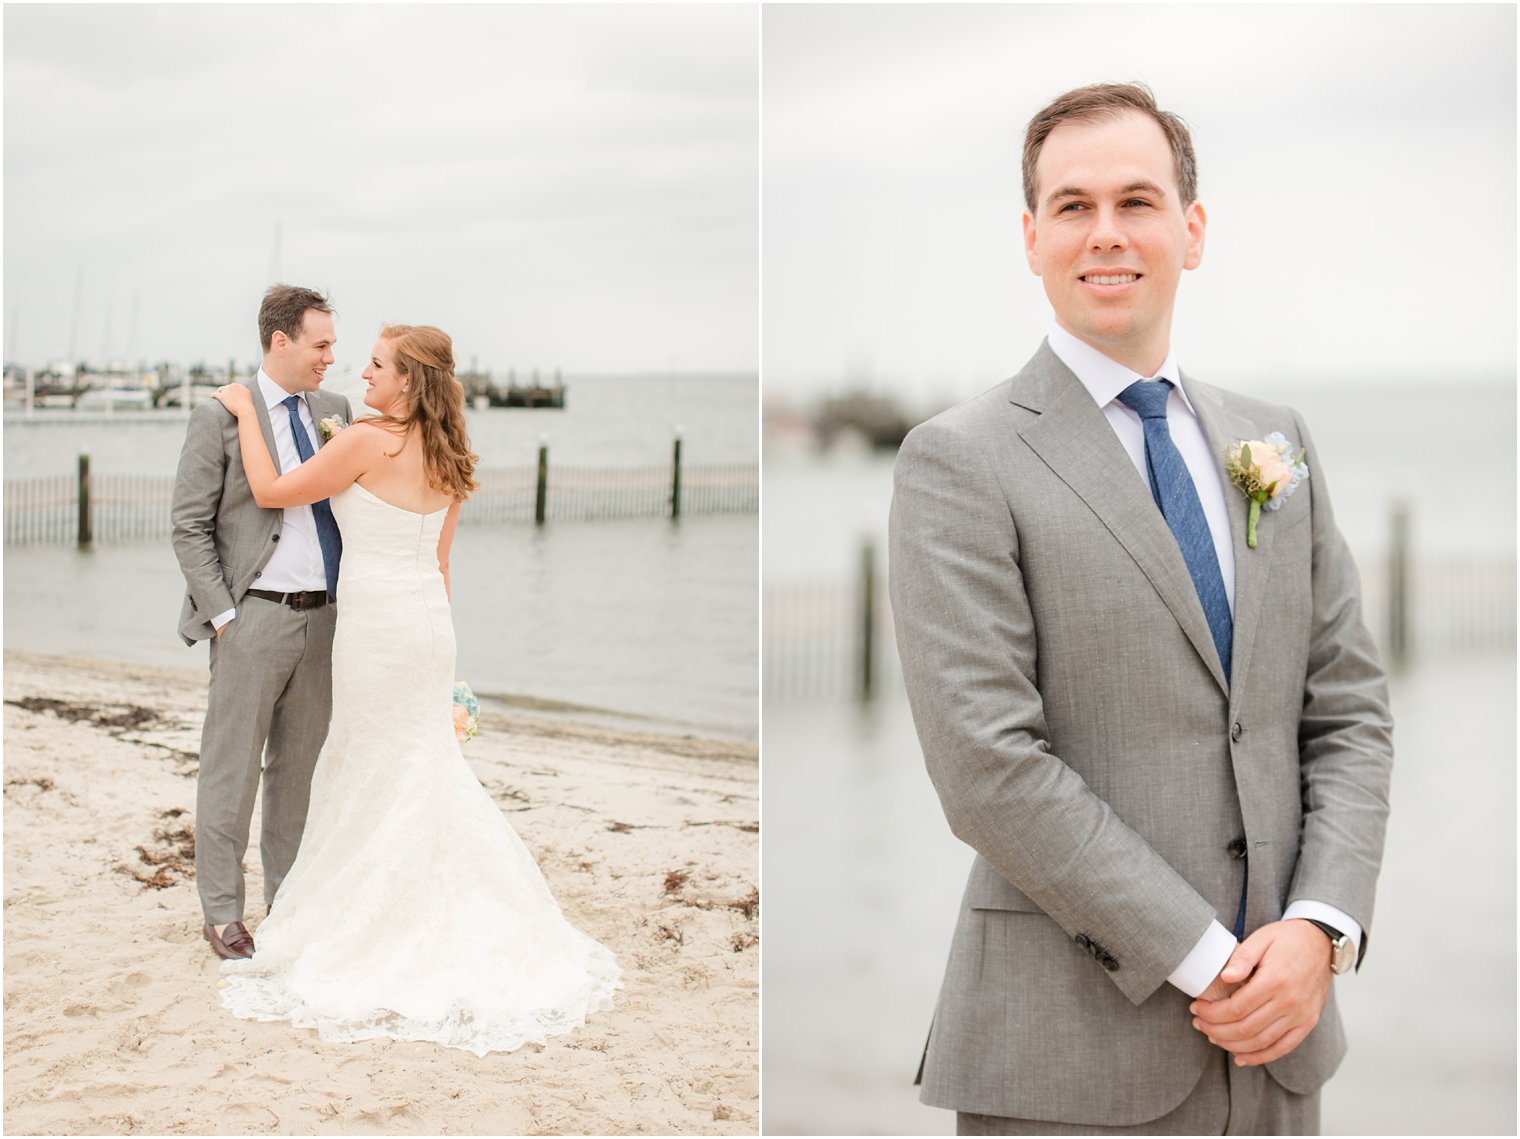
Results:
413 910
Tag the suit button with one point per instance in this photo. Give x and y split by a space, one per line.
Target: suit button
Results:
1236 732
276 538
1109 963
260 573
1237 848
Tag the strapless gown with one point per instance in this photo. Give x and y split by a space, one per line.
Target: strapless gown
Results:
413 910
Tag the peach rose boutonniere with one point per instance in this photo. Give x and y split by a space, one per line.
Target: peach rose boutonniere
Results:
1266 473
329 427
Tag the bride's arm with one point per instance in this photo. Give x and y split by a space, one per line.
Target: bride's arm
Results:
445 543
348 455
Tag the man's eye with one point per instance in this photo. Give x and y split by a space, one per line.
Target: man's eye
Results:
1137 202
1071 206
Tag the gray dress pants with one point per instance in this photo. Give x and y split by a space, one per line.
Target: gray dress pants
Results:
267 711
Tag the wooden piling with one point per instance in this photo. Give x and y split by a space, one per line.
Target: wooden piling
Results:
867 619
675 480
85 535
1398 587
541 495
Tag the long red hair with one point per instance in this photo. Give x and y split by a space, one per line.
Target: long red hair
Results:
435 406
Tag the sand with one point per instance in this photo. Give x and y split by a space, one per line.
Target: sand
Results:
112 1022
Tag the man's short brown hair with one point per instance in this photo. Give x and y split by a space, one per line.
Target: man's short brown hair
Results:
1106 101
284 310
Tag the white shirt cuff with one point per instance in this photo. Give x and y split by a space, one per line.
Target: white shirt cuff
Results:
1331 916
222 618
1209 956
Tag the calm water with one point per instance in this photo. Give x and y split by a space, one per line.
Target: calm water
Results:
608 422
640 617
1452 459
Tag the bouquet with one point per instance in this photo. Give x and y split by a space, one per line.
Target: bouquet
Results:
466 712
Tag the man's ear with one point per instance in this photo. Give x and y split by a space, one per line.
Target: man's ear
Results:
1197 222
1029 244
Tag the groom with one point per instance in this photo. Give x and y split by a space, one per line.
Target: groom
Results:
1169 745
261 588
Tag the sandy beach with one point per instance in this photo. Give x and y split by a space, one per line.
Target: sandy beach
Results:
112 1022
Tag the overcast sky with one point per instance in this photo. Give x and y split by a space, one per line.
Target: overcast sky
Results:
1357 164
553 186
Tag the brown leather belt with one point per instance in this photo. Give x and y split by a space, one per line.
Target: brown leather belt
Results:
311 599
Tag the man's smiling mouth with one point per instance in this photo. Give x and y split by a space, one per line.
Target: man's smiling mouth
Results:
1111 279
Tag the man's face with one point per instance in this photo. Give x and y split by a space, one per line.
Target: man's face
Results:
1109 236
303 362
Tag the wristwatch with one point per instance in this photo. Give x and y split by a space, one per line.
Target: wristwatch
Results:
1342 952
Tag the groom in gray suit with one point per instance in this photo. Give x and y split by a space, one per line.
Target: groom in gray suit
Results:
1168 742
262 589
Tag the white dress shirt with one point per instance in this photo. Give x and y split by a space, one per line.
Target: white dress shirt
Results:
1104 379
296 564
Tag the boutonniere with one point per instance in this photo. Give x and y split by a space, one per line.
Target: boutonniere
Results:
329 427
1266 472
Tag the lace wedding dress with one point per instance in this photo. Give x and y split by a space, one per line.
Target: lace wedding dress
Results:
413 910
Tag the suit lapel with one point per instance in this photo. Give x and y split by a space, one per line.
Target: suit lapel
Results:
266 426
1074 439
314 404
1221 427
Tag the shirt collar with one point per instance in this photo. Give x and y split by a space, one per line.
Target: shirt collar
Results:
1103 377
274 394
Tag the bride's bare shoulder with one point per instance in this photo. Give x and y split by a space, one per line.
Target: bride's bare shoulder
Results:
374 432
375 423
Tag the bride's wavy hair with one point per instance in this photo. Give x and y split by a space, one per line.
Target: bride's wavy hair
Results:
435 406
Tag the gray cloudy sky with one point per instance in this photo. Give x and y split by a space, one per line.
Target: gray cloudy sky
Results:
1357 165
552 185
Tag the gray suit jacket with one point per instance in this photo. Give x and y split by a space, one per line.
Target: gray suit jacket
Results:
223 538
1082 738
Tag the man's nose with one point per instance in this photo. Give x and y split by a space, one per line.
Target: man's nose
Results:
1107 231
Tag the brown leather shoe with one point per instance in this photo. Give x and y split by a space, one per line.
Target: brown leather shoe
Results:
235 942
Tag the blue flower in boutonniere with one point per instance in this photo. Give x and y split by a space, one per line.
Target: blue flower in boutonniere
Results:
329 427
1266 472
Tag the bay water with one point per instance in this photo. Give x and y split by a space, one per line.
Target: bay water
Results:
1448 453
641 621
607 421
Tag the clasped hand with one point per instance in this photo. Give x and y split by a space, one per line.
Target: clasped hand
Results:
1270 993
235 398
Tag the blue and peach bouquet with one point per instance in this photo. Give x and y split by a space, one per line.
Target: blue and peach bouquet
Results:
466 713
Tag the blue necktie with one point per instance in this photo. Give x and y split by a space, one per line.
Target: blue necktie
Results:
327 529
1173 489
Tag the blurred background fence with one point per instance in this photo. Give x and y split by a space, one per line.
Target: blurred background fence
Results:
84 507
832 639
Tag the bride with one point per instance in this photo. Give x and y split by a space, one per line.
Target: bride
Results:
413 910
